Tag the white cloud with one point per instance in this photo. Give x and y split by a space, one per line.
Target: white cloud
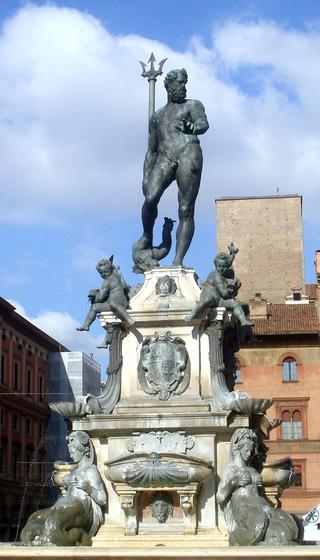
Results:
73 130
73 115
278 72
62 327
19 308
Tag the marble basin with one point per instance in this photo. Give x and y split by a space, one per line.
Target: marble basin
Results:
278 473
250 406
157 469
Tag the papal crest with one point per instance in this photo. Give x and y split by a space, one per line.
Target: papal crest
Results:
164 366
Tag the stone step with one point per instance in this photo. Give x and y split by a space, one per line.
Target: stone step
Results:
160 539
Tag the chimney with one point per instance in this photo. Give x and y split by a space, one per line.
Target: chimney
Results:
296 293
317 263
258 307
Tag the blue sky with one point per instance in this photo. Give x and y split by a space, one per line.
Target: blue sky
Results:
73 132
175 22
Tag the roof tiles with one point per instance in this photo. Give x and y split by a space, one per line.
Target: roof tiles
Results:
288 319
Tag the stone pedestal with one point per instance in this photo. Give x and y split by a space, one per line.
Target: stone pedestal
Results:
165 433
159 313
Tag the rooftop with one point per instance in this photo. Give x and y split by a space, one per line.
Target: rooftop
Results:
222 198
9 316
288 319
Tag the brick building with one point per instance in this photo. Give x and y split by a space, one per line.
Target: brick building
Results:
24 351
284 363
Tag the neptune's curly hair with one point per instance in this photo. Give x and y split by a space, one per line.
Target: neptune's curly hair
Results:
172 76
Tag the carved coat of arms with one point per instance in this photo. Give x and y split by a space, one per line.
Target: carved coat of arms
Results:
164 367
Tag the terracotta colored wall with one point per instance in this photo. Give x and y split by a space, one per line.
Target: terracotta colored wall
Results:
262 377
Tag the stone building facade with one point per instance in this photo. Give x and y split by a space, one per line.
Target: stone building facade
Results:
24 475
284 360
268 232
284 363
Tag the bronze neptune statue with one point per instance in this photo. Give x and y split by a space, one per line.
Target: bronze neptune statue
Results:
174 153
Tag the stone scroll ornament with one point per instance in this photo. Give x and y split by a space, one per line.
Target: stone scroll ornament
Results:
164 366
110 395
77 515
105 403
160 442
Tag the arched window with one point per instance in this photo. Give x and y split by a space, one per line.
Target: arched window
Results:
289 369
297 424
292 411
291 424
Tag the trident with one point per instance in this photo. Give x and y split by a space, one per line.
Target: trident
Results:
152 78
